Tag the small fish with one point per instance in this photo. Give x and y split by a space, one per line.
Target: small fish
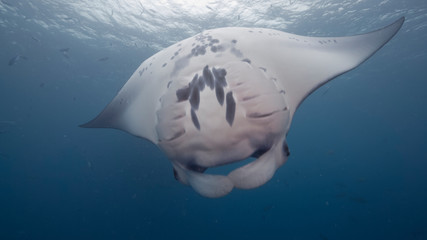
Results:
64 52
103 59
35 39
15 59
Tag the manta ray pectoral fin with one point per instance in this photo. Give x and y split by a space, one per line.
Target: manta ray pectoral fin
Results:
108 118
261 170
314 61
132 110
207 185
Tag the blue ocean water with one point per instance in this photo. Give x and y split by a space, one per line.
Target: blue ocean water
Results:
358 163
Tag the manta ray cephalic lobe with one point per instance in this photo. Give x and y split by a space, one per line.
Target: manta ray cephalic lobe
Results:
228 94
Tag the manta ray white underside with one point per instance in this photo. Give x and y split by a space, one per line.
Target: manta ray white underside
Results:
227 94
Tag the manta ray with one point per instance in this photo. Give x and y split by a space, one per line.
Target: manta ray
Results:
229 94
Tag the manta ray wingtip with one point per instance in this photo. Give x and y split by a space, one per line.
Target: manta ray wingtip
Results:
89 124
85 125
98 122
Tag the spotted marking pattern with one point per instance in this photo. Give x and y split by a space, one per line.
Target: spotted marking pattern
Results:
203 44
215 80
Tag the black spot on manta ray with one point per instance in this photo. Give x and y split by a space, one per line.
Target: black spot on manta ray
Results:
219 75
198 50
219 92
183 93
194 96
246 60
234 41
221 48
180 64
201 83
230 108
193 81
164 65
207 75
236 52
214 41
195 119
214 79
